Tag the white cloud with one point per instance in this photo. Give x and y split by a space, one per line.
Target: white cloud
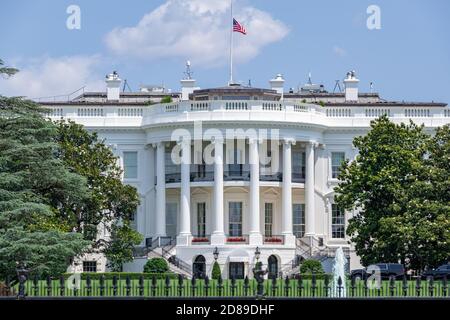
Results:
198 30
341 52
48 76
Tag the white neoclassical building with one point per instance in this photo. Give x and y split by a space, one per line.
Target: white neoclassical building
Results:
236 173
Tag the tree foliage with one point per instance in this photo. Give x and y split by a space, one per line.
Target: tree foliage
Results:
111 204
34 185
311 266
156 265
399 188
216 272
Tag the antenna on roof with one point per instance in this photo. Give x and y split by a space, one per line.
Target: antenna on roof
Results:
188 71
371 87
338 86
309 78
249 82
126 85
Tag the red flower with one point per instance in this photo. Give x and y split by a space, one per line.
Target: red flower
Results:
200 240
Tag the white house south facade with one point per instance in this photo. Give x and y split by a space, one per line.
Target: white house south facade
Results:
236 172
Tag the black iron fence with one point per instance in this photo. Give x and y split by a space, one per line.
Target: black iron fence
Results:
307 286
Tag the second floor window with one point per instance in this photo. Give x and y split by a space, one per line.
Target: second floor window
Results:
130 165
268 219
337 222
298 165
201 219
337 158
235 219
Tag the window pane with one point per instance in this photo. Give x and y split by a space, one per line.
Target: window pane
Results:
130 165
268 219
201 219
235 218
337 222
336 161
298 219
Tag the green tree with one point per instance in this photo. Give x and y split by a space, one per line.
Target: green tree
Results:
398 190
166 99
111 204
156 265
216 272
119 248
34 184
311 266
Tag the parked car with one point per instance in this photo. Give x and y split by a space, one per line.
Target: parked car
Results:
386 271
438 273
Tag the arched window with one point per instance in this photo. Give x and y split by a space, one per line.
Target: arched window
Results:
273 266
199 267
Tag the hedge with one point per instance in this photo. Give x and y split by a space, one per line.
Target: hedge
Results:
124 275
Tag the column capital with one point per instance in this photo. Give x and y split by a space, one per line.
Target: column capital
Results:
289 141
313 144
217 140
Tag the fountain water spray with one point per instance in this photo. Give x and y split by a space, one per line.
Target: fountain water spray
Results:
339 265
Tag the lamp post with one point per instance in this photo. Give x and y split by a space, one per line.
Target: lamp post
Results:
259 274
257 254
216 253
22 274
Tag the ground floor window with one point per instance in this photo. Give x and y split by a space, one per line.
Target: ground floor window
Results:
236 270
298 219
89 266
199 267
337 222
272 266
235 219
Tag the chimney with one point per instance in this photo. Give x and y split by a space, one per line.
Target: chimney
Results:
277 84
187 84
351 87
113 86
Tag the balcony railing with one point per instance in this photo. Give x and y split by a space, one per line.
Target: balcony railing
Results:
201 239
273 239
244 175
242 239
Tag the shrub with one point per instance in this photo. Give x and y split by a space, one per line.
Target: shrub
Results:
123 275
166 99
311 266
216 272
156 265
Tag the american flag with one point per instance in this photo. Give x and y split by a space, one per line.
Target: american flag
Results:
237 27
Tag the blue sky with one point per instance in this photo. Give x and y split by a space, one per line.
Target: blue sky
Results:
407 59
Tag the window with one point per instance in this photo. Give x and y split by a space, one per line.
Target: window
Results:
235 169
130 165
235 219
201 219
172 170
298 219
236 270
268 219
337 158
171 219
337 222
89 266
298 165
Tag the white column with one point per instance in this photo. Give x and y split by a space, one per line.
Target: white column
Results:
218 234
185 198
309 190
150 199
255 230
289 238
160 190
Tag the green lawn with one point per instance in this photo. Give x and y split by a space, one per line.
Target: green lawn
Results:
199 290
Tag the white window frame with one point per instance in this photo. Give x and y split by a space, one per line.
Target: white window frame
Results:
137 164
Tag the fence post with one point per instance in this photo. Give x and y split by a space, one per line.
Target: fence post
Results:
219 285
339 286
128 285
326 282
418 286
193 285
300 285
313 284
114 286
246 286
206 286
286 286
167 286
274 286
62 282
233 286
405 286
366 288
36 285
102 285
49 286
444 286
431 286
154 286
352 285
180 285
141 285
88 285
391 285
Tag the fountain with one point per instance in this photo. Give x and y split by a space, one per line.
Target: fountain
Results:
339 272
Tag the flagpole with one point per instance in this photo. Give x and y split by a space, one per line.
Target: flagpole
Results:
231 45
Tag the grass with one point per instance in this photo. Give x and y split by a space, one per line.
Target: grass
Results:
160 289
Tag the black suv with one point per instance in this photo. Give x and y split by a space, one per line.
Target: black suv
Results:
438 273
386 271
